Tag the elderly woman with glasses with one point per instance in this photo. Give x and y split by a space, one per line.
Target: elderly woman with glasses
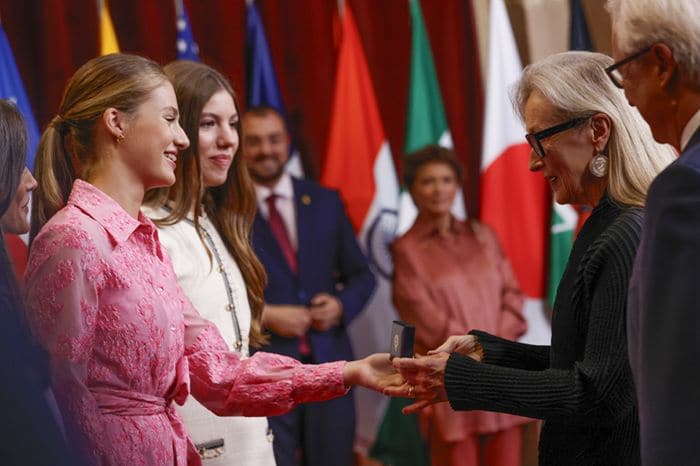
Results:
592 148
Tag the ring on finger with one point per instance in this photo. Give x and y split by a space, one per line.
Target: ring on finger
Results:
411 391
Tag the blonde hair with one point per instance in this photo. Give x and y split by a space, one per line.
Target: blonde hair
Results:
66 150
231 206
576 84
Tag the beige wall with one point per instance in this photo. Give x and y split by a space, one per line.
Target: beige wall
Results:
541 27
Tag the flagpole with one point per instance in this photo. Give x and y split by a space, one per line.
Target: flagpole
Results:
341 7
178 8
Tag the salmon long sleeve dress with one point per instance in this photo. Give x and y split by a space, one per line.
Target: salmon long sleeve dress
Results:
448 283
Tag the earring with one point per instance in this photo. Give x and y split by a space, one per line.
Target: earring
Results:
598 166
120 137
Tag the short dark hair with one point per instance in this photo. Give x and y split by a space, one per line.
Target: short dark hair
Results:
429 154
261 111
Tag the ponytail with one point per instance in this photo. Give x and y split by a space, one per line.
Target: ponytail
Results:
66 150
54 173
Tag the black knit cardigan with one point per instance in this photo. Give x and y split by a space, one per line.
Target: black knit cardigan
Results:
582 384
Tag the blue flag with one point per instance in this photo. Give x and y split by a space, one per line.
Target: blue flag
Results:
11 87
187 48
263 88
580 39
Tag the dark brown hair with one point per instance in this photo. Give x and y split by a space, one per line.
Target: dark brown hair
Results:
231 206
429 154
13 152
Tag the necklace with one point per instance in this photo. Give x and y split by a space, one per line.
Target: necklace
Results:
230 307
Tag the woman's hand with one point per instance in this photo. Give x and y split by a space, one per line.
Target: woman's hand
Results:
467 345
425 380
374 372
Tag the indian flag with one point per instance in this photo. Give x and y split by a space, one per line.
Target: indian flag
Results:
359 165
426 123
514 201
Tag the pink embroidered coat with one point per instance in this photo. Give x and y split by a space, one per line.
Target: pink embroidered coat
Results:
125 343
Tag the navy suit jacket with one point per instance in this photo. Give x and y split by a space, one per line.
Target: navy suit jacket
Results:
663 316
328 260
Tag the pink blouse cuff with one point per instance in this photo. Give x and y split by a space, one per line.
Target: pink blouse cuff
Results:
319 382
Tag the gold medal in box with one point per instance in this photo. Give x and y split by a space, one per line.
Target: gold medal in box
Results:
402 337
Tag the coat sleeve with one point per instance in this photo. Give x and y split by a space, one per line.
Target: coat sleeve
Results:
265 384
61 297
507 353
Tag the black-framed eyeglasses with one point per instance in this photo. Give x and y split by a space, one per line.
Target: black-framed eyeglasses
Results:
534 139
613 70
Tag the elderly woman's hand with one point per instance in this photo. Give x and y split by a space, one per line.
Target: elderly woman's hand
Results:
425 380
467 345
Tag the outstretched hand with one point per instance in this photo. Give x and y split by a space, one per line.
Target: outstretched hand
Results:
425 380
467 345
374 372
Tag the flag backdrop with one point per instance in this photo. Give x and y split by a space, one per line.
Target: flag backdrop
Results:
263 88
579 38
11 88
514 201
359 164
426 122
187 48
108 38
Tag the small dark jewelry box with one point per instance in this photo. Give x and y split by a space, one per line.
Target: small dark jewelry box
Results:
402 337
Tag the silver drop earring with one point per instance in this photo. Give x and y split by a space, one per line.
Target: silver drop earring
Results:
598 166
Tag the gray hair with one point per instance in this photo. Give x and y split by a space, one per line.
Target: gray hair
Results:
676 23
576 84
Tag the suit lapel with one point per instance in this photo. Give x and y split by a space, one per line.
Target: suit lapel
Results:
261 228
303 202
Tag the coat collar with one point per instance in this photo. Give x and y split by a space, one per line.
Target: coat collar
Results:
106 211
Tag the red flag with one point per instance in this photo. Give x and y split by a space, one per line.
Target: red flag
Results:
360 166
514 201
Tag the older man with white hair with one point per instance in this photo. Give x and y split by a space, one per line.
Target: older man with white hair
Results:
657 45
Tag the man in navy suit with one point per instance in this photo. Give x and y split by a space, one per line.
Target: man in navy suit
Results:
318 282
655 43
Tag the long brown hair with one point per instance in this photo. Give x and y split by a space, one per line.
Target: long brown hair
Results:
231 206
66 150
13 150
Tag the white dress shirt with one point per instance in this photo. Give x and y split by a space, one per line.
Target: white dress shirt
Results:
690 128
284 190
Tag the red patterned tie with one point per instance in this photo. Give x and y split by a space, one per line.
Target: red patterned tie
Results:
280 233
